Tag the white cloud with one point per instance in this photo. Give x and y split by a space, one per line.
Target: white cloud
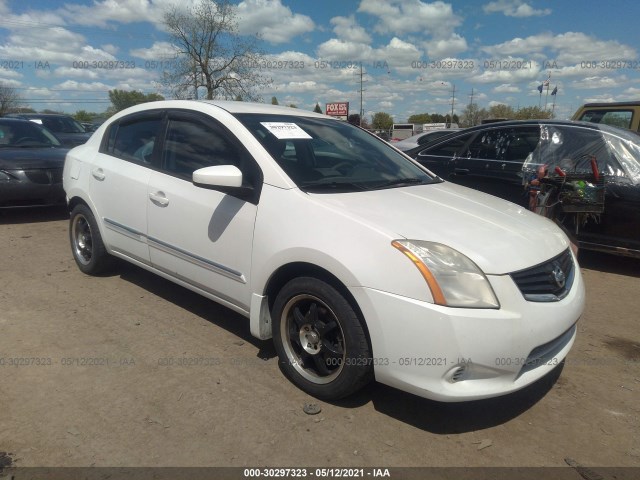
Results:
506 88
598 82
157 52
274 21
494 103
436 21
568 48
506 76
7 81
405 16
600 98
514 8
101 13
346 28
109 48
75 73
446 47
632 91
82 86
335 49
302 87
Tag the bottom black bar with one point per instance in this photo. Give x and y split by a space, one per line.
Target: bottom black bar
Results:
238 473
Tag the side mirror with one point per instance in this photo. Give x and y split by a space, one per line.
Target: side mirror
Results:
218 176
226 179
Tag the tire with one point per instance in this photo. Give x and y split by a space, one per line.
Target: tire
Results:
320 340
87 247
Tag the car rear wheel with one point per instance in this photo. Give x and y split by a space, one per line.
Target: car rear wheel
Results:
320 340
87 247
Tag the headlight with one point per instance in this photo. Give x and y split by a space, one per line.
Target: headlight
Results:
454 280
5 176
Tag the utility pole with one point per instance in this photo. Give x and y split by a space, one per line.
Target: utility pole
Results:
472 119
453 101
361 94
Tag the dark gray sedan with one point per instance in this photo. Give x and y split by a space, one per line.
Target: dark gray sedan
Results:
70 132
31 162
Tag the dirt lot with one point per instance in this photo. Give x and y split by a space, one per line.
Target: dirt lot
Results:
104 392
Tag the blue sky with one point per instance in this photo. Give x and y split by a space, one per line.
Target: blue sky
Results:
414 53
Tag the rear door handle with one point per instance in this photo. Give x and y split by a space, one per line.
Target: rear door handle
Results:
159 199
98 174
461 171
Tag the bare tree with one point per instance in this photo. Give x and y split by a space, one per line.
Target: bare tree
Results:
9 99
211 54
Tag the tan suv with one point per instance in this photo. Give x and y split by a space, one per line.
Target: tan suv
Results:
616 114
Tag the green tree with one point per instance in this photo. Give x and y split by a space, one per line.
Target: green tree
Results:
121 99
419 118
527 113
472 115
84 116
354 119
9 99
381 121
23 110
274 101
211 53
293 105
438 118
238 98
317 109
502 111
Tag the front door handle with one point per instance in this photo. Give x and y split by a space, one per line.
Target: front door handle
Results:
159 199
98 174
461 171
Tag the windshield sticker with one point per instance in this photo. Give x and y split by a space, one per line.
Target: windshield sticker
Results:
286 130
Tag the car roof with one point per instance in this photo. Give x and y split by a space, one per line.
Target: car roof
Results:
254 107
13 120
507 123
519 123
612 104
38 115
229 106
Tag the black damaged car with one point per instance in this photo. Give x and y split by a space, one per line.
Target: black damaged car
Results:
31 163
585 176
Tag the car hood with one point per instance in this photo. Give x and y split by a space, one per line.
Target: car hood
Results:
73 139
21 158
404 145
499 236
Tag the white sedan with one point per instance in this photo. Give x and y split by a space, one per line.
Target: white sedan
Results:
358 262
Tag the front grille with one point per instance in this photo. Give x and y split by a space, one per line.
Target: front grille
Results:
44 176
548 282
545 354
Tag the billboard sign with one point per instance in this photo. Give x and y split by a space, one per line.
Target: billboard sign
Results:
338 109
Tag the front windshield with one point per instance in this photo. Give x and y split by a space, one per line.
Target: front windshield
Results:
322 155
25 135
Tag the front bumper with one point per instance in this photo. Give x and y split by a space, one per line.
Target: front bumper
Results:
458 354
30 188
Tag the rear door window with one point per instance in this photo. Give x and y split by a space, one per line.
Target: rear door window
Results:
615 118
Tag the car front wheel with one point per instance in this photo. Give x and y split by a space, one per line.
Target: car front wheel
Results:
88 250
320 340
